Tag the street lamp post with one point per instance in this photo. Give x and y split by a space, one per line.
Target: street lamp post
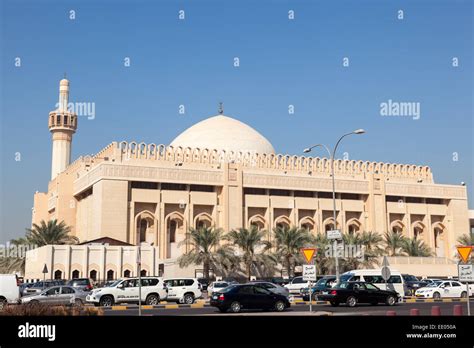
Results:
332 156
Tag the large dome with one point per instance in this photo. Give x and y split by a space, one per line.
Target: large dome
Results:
223 133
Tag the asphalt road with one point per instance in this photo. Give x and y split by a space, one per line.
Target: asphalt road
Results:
303 309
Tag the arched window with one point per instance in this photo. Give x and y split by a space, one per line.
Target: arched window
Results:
93 275
143 272
75 274
143 225
173 226
126 273
58 274
110 274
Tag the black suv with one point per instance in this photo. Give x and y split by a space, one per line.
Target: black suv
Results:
412 284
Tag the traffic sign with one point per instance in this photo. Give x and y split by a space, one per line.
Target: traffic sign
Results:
386 273
309 273
333 234
45 269
464 251
466 272
385 262
308 253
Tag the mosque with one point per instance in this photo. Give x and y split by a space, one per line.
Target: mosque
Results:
223 173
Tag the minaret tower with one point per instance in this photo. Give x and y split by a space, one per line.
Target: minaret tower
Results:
62 125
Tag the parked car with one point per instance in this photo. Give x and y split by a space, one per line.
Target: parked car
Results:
248 296
352 293
322 284
216 286
82 283
183 290
374 276
275 280
38 287
412 284
277 289
296 285
9 289
24 286
441 289
153 290
57 295
204 283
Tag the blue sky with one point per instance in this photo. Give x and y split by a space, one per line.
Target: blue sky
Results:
282 62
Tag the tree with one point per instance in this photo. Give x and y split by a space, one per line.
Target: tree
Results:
466 239
206 250
365 250
46 233
394 243
416 247
50 233
254 250
288 243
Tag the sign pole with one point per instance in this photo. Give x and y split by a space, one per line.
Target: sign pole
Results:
139 262
468 305
310 297
465 273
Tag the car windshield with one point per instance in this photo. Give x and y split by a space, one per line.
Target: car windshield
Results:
410 278
115 283
345 277
228 289
433 285
220 285
343 285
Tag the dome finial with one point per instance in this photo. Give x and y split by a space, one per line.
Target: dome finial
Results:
221 109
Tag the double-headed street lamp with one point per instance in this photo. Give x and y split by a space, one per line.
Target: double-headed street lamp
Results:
331 156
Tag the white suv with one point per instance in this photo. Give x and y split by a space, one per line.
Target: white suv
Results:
126 290
183 290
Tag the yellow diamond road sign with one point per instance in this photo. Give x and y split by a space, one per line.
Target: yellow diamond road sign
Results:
464 251
308 253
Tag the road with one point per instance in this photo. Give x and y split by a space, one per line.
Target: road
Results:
302 309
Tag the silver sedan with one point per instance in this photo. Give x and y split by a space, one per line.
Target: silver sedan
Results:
56 296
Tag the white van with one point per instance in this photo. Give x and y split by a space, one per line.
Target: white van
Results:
374 276
9 289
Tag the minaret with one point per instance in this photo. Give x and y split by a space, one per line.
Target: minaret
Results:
62 125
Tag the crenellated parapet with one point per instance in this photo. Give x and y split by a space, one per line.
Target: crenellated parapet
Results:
123 151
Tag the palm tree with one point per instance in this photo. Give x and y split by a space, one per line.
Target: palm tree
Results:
416 247
324 262
466 239
394 243
50 233
288 243
206 250
369 242
11 264
254 250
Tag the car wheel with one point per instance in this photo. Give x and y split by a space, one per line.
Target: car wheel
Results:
334 304
235 307
3 304
152 300
351 301
463 294
280 306
391 300
436 296
78 302
188 299
106 301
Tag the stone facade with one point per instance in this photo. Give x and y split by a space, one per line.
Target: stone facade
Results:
146 193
